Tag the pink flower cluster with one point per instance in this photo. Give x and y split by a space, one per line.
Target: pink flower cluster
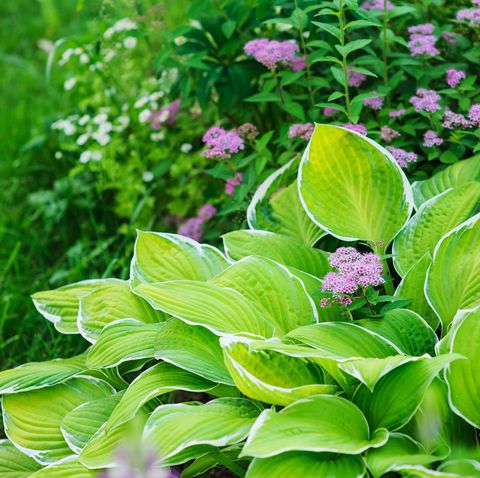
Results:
221 143
470 16
358 128
453 120
426 100
421 41
375 102
388 134
397 113
402 157
454 77
355 78
474 114
301 130
430 139
329 111
248 131
193 227
272 53
450 37
166 115
232 183
355 270
377 5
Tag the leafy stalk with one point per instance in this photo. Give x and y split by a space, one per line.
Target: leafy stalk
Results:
341 21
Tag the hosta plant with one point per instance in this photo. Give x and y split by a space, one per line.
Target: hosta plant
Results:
276 357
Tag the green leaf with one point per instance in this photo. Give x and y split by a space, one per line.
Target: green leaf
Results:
453 279
269 376
352 187
192 348
32 419
307 465
13 463
176 431
433 220
65 470
264 97
324 423
329 28
352 46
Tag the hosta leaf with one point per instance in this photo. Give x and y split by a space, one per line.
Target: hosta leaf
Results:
276 207
60 306
455 175
210 460
160 257
157 380
123 340
352 187
269 376
110 303
192 348
176 431
79 425
433 220
32 419
461 467
453 279
412 287
35 375
307 465
324 423
463 375
15 464
69 469
398 395
282 249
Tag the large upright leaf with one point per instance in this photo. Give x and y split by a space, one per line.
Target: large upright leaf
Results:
33 419
453 279
433 220
324 423
452 176
14 463
69 469
352 187
176 431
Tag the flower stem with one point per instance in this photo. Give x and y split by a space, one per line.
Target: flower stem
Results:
385 46
279 86
344 62
304 51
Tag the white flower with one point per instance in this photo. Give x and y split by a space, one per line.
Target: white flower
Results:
306 34
84 58
105 127
97 155
125 24
78 51
283 27
156 95
100 118
144 116
84 120
101 138
85 156
180 40
277 9
130 42
147 176
45 45
158 136
123 122
109 91
58 154
109 54
70 83
196 24
69 128
186 147
108 33
163 116
82 139
66 55
141 102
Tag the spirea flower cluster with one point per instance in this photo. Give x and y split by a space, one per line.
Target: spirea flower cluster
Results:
426 100
454 77
355 78
422 41
388 134
374 102
402 157
301 130
377 5
194 226
221 143
272 53
431 139
358 128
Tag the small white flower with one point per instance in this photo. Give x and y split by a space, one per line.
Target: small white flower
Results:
158 136
97 155
109 54
78 51
125 24
156 95
45 45
196 24
306 34
84 120
180 40
58 154
125 107
163 116
186 147
144 115
69 128
105 127
85 156
277 9
141 102
123 122
100 118
84 58
283 27
101 138
130 42
147 176
153 105
70 83
82 139
108 33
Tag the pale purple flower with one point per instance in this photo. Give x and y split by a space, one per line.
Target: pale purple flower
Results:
450 37
423 45
339 284
329 111
454 77
388 134
355 78
377 5
232 183
397 113
297 63
301 130
192 228
358 128
453 120
426 100
166 115
422 29
469 16
206 212
402 157
476 3
221 143
248 131
430 139
474 114
374 102
271 53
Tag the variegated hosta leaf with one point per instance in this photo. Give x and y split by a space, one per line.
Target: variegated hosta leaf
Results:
157 380
32 419
269 376
307 465
461 467
192 348
398 395
60 306
210 460
453 279
276 207
432 221
400 450
110 303
15 464
35 375
123 340
176 431
412 287
282 249
70 469
352 187
160 257
325 423
463 375
452 176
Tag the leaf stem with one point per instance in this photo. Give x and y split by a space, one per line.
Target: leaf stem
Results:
385 45
279 86
344 61
304 51
388 285
228 463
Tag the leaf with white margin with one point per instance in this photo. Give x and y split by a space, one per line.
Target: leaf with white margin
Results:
269 376
81 424
400 450
419 471
324 423
453 279
60 306
462 376
160 257
157 380
210 460
123 340
352 187
68 469
15 464
110 303
32 419
192 348
452 176
307 465
461 467
35 375
433 220
398 395
412 287
276 207
405 329
175 431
